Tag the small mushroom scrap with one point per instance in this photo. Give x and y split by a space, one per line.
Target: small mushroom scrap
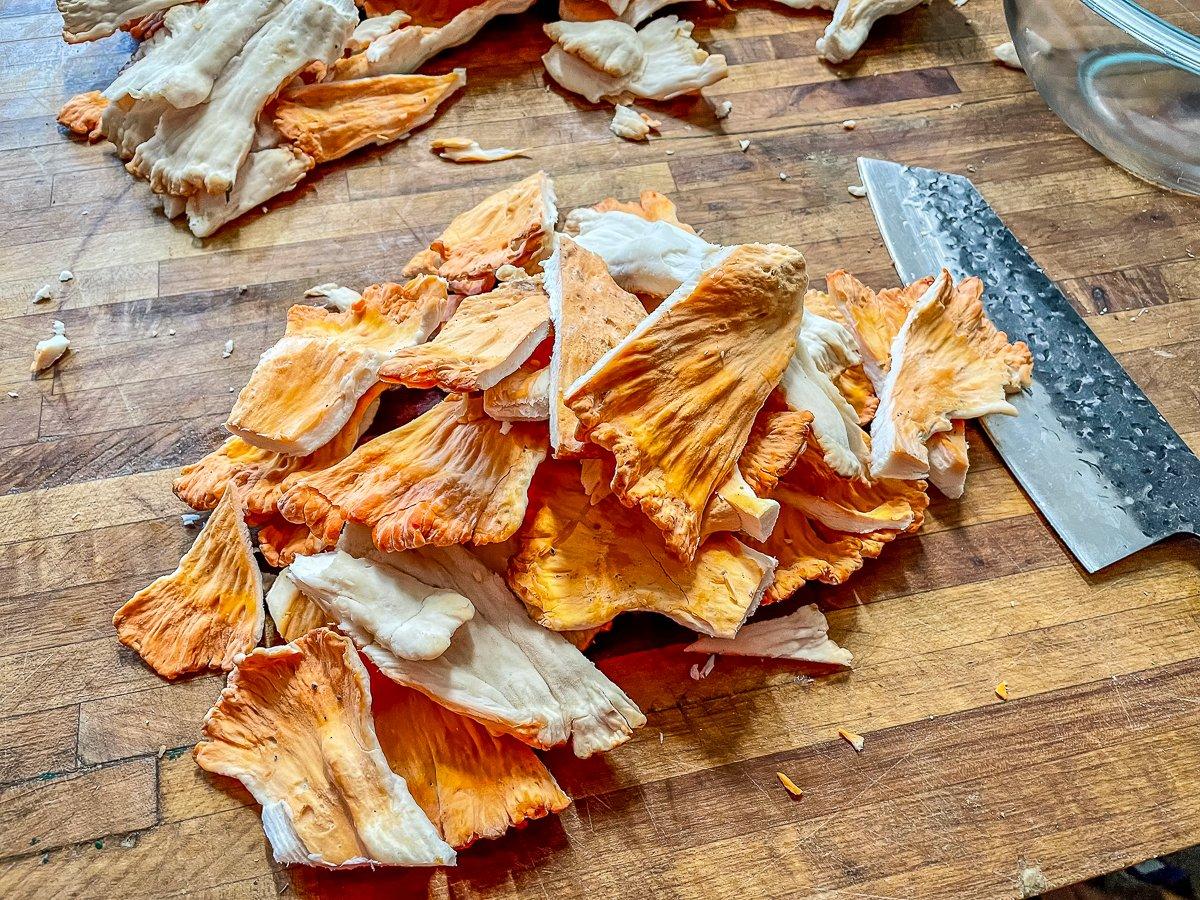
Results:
50 350
465 150
294 726
802 636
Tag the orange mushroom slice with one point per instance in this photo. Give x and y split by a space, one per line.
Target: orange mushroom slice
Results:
675 400
81 115
282 541
514 226
808 551
854 505
261 473
471 783
306 387
294 726
651 206
830 524
947 362
580 564
591 315
453 475
328 120
486 340
208 610
777 439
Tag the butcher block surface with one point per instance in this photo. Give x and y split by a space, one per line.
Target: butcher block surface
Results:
1092 764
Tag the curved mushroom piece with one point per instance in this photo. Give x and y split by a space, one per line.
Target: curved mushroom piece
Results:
434 28
293 613
282 541
651 206
514 226
261 473
524 396
450 476
294 726
580 564
471 783
306 387
90 20
503 669
208 610
835 422
609 60
486 340
263 175
643 255
947 362
876 318
675 400
829 524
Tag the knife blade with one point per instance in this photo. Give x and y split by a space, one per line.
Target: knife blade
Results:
1088 447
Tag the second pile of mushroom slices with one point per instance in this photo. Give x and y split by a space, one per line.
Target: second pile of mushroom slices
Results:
469 475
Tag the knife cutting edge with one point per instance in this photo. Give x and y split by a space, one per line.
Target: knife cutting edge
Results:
1089 448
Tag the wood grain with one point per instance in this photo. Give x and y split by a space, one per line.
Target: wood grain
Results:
1093 763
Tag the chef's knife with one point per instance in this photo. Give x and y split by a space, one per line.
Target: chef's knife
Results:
1088 447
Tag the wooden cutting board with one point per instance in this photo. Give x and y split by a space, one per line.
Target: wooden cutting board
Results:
1093 764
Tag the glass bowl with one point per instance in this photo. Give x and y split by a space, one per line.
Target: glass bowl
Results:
1124 76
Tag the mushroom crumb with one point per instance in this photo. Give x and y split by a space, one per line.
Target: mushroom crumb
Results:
725 108
783 176
857 741
790 786
744 145
42 295
465 150
51 350
65 275
1006 54
849 124
857 190
1002 690
228 351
